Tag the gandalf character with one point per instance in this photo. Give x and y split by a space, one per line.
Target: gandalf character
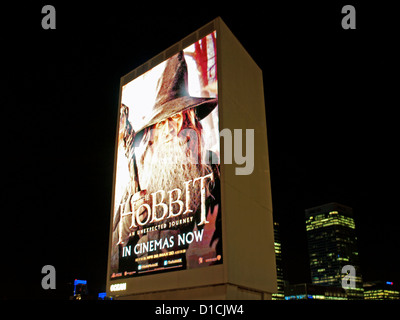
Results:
172 177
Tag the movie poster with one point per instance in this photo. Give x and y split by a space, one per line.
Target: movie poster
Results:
167 207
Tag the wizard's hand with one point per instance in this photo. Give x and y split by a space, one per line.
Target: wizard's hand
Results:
141 214
132 210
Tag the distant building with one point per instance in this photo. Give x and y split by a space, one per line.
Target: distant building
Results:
103 296
380 290
280 295
306 291
332 244
80 290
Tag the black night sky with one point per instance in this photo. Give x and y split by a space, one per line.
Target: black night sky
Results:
331 97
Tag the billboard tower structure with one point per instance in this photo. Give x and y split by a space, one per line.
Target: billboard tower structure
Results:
185 222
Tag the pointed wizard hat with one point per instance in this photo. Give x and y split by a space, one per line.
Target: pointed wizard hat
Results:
173 96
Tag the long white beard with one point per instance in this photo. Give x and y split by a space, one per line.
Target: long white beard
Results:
166 166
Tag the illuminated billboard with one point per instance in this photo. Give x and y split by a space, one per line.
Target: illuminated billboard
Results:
167 197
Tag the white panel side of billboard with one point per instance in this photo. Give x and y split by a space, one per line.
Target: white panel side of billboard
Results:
246 199
247 267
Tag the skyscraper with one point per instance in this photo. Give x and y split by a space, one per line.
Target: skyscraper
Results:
332 244
280 295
